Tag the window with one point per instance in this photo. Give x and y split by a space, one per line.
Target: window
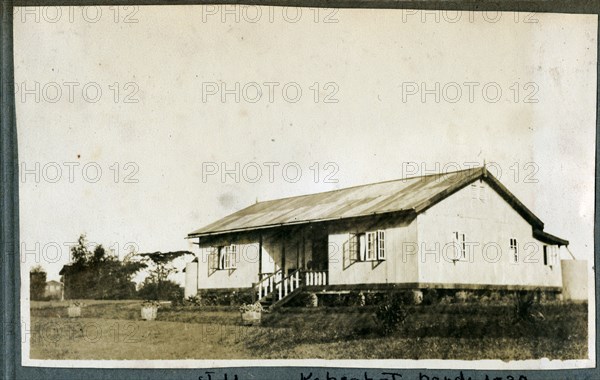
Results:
478 191
375 245
550 255
356 247
230 257
371 246
224 257
514 251
460 245
474 192
380 245
481 192
546 255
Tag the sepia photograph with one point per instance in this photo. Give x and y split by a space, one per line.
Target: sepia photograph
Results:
222 186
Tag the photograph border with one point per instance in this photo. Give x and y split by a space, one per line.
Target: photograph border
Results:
10 359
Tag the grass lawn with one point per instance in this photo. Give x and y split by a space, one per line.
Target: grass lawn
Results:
113 330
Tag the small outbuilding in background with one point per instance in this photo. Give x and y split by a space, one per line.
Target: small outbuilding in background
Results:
54 290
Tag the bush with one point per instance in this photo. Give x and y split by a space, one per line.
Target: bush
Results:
331 300
221 298
373 298
430 296
461 296
37 283
193 301
168 290
241 298
391 314
356 299
175 295
526 306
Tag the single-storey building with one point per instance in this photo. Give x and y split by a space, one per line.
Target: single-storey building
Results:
54 290
458 230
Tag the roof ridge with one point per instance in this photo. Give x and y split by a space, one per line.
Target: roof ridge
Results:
367 184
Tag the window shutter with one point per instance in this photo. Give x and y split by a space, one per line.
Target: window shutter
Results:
353 249
514 251
456 244
380 245
371 245
213 260
347 251
230 257
235 256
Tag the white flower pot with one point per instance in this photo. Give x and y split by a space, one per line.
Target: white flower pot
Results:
250 318
149 312
74 311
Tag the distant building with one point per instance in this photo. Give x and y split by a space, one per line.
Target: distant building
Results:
459 230
54 290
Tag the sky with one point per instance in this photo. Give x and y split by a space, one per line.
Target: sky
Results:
128 117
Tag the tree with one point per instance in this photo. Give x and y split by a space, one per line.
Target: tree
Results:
162 268
98 275
37 283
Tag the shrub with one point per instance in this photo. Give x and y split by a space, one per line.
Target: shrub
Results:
332 300
175 295
221 298
168 290
356 299
525 306
37 283
391 314
461 296
252 307
373 298
209 299
430 296
241 297
193 300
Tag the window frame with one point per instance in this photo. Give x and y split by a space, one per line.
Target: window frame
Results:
550 255
373 246
461 244
514 250
226 257
381 245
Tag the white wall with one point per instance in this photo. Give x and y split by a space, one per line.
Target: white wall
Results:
191 279
487 224
575 280
397 268
243 276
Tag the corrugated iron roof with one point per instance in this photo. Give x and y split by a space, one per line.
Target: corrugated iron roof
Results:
414 194
376 198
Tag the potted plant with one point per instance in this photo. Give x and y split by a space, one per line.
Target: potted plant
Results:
251 313
74 310
149 310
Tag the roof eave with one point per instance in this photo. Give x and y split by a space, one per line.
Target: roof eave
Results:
545 237
277 225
